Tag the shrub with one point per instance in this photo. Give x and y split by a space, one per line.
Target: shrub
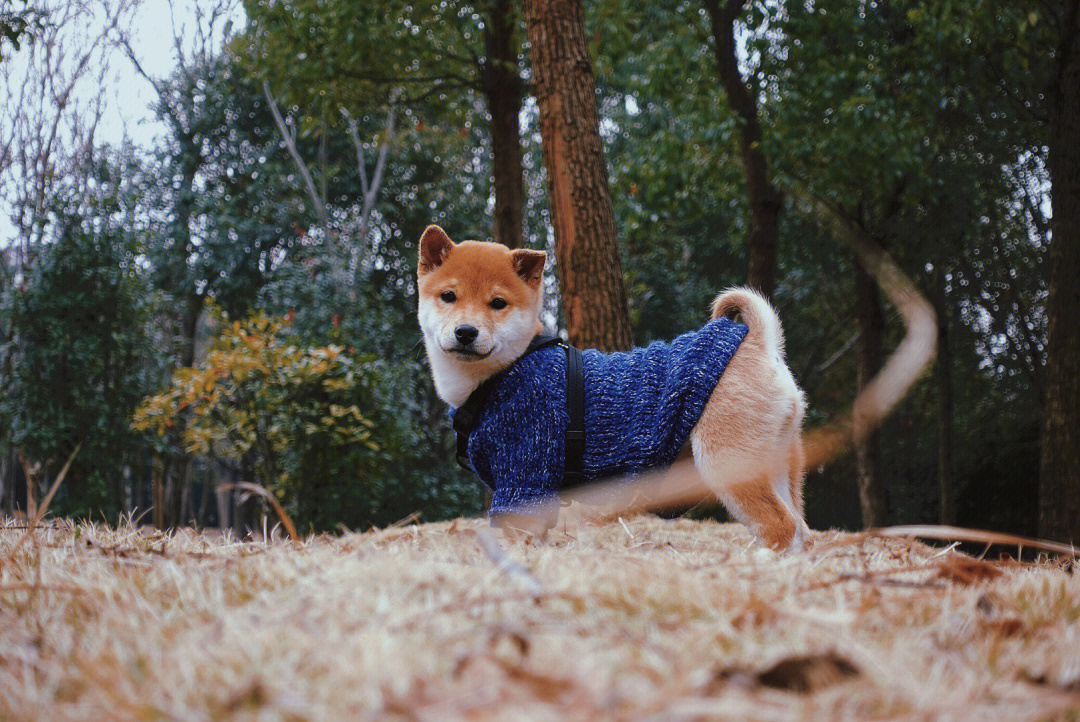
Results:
301 421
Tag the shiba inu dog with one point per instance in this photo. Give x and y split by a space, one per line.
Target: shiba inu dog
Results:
724 392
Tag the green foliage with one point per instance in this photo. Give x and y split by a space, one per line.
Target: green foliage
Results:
314 424
325 55
79 344
255 241
221 197
253 392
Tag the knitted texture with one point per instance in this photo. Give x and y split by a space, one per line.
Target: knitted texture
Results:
640 407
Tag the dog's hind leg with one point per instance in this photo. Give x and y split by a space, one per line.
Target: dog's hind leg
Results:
757 505
796 476
748 450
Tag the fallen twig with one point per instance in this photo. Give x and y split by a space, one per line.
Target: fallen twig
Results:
265 494
955 533
949 534
44 503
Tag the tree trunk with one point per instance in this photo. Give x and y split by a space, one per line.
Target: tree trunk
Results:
126 490
175 494
871 323
1059 478
224 506
190 330
137 489
158 473
204 499
943 375
7 482
766 200
182 246
502 86
590 270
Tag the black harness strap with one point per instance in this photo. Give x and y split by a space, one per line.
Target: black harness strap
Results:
467 414
574 465
465 419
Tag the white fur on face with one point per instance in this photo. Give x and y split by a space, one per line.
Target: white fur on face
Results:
457 377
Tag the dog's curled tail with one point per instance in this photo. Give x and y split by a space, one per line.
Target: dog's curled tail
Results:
756 312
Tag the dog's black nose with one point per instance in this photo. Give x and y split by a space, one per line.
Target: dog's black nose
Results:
466 334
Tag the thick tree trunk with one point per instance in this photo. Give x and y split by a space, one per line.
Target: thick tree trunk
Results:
871 322
502 86
590 270
766 200
943 375
1059 486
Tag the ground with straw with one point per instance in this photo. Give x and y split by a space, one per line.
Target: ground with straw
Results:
635 619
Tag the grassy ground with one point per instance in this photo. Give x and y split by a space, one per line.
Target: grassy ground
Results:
638 619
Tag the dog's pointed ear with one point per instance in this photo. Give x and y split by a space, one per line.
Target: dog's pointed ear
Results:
529 265
435 246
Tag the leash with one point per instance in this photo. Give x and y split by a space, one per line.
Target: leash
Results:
574 465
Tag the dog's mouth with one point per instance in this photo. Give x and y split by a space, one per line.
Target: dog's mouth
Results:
467 354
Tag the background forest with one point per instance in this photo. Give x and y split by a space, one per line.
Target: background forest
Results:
236 301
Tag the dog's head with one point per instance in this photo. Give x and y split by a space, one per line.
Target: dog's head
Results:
479 308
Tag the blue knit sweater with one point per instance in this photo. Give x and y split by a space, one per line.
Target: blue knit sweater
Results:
640 407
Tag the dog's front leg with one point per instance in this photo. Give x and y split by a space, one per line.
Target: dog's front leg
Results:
532 525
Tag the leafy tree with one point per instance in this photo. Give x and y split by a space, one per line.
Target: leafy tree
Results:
443 61
314 424
223 202
677 189
899 140
81 344
849 109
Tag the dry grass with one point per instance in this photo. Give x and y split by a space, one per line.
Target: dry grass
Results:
639 619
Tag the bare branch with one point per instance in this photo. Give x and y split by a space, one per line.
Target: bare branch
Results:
361 166
49 112
915 351
380 165
290 145
370 188
44 503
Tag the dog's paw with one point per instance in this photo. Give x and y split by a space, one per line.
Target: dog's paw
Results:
802 541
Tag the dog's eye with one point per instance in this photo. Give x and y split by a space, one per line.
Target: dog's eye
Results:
498 303
448 296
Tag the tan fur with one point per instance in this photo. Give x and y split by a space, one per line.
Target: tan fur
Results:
771 519
746 445
757 313
476 273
